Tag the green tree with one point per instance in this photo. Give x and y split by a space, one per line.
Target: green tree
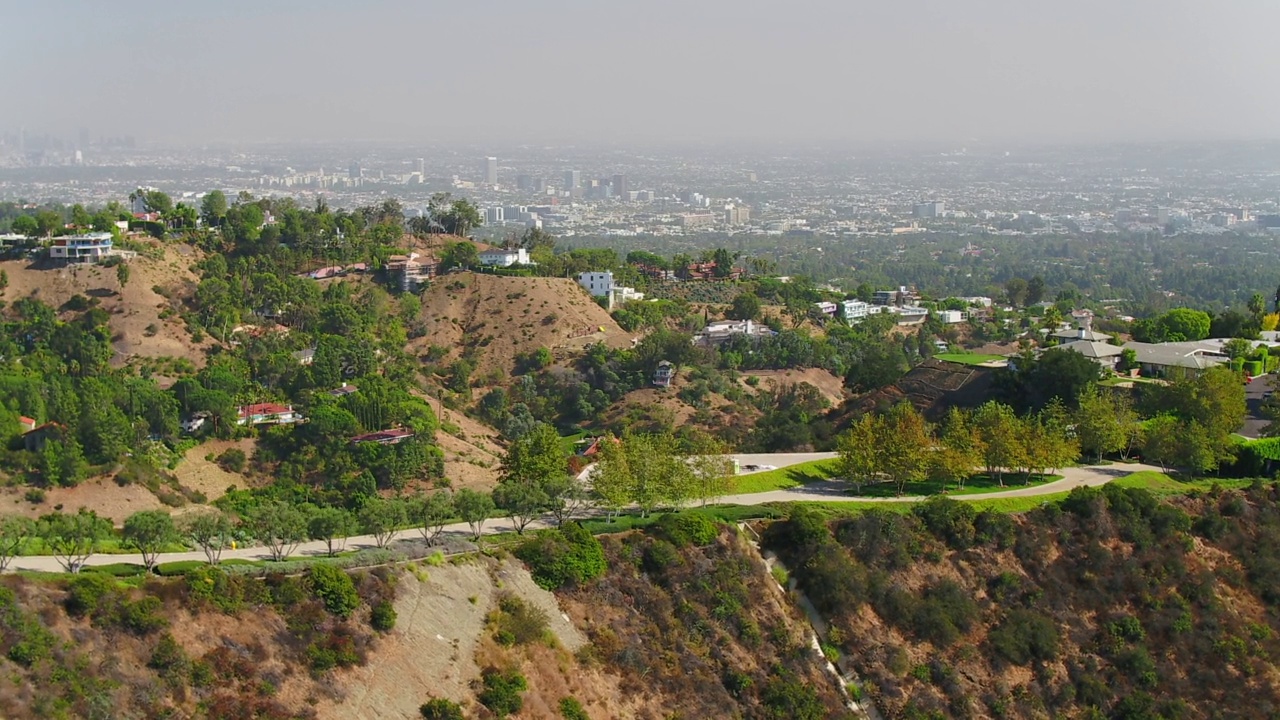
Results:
529 468
1257 306
746 306
1035 290
474 508
213 208
1162 440
1016 291
1128 360
1101 423
1237 348
859 458
382 517
441 709
334 588
150 531
72 538
462 254
904 446
332 525
122 274
15 532
279 526
1184 324
712 467
26 225
997 430
611 479
430 513
210 530
959 449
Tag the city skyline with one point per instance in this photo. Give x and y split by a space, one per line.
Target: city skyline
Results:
706 72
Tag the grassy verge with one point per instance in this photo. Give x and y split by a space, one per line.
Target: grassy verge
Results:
976 485
787 477
968 358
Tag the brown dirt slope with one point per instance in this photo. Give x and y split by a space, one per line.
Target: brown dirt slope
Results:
138 330
932 387
499 317
831 386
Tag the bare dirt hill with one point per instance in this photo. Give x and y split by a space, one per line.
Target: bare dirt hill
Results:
136 309
500 317
831 386
472 452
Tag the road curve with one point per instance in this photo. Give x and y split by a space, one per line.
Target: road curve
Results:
829 491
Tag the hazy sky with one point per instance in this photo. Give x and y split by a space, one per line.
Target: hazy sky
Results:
604 71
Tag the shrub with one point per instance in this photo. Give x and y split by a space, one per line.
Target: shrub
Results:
687 529
949 520
1023 636
571 709
141 617
441 709
566 555
516 622
502 691
786 698
232 460
87 592
660 555
334 588
168 658
383 616
211 585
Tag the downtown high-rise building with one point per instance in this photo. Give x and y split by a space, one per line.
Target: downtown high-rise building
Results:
573 181
620 187
422 167
491 171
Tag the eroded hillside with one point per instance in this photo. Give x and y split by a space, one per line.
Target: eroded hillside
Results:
1115 604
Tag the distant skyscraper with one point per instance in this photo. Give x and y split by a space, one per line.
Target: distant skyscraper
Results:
524 182
929 209
620 188
84 138
422 167
491 171
354 170
572 180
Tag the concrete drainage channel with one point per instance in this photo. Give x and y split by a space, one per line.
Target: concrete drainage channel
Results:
841 670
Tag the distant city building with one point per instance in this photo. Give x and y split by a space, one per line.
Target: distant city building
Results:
422 167
573 182
693 220
493 215
355 172
929 209
491 171
524 182
737 214
619 186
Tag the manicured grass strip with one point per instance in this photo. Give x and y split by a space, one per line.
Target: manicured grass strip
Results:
969 358
787 477
975 485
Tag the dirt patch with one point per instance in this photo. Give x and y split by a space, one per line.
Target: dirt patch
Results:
197 473
501 317
830 385
137 328
101 495
440 627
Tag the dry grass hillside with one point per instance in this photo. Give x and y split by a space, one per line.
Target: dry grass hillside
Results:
831 386
138 330
497 318
472 453
932 387
1114 604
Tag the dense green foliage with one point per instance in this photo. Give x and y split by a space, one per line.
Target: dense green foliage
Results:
568 555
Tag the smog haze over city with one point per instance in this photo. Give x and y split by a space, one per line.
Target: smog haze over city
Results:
665 73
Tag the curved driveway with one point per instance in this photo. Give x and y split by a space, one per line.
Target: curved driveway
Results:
829 491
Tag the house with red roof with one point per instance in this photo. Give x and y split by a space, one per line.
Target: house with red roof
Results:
267 414
27 424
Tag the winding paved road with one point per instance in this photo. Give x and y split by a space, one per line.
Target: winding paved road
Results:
829 491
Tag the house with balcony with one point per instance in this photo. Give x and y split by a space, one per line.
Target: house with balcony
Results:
664 374
88 248
855 310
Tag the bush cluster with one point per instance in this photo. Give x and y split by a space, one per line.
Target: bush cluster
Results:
564 556
689 528
334 588
501 691
516 622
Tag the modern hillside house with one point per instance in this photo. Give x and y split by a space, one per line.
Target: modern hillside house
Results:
88 248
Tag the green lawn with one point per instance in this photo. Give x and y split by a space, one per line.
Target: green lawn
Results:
975 485
1162 485
968 358
787 477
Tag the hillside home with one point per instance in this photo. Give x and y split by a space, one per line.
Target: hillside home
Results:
343 391
717 333
88 248
664 374
394 436
411 271
826 308
949 317
1104 354
500 257
306 356
266 414
901 296
1176 359
26 424
193 422
855 310
33 440
599 284
1083 331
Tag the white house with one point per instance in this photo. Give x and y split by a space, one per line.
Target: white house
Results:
855 310
267 414
663 375
499 257
193 423
826 308
623 294
719 332
949 317
599 284
88 248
